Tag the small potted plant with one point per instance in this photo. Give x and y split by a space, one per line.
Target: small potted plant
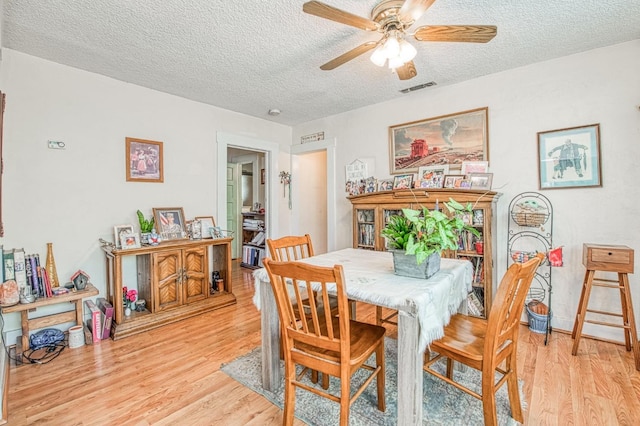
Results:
146 227
419 236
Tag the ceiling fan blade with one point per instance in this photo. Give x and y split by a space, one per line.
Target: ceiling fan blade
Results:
407 71
412 10
329 12
346 57
464 33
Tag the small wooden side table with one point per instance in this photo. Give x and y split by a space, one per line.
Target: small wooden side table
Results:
29 324
608 258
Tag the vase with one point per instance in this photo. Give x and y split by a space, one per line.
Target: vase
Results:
406 265
127 311
50 266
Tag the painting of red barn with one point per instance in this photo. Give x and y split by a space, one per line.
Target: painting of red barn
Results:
448 139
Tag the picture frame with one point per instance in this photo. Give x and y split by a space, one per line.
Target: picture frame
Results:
452 181
480 180
129 240
570 158
121 229
207 222
385 184
143 160
216 232
170 223
469 167
403 181
432 176
446 139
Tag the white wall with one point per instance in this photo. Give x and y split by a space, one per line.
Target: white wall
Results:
599 86
74 197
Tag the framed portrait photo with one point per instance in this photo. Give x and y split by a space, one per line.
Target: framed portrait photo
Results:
129 240
170 223
207 222
480 180
118 230
453 181
447 139
570 158
403 181
143 160
432 176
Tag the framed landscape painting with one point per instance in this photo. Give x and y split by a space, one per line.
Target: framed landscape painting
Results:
447 139
570 158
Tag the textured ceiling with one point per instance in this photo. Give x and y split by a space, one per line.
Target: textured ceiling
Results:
252 55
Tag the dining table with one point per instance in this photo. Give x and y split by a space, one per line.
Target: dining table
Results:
424 307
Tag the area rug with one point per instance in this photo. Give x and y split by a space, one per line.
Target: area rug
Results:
443 404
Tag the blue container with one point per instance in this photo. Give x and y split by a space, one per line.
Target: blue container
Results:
537 322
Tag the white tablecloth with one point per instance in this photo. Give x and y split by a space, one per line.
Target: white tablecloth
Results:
370 278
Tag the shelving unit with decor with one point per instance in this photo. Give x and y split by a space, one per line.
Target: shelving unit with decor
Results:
253 240
172 278
530 231
371 212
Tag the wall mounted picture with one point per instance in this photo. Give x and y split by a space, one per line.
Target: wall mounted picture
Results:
119 230
570 158
432 176
171 223
480 180
447 139
469 167
143 160
403 181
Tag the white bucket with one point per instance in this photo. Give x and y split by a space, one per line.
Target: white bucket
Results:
76 336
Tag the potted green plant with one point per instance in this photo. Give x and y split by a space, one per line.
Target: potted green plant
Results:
146 227
417 237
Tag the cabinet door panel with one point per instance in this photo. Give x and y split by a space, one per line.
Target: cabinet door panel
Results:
167 267
196 284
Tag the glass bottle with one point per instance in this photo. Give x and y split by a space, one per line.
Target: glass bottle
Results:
51 266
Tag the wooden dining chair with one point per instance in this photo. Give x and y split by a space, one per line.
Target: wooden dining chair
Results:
334 345
486 344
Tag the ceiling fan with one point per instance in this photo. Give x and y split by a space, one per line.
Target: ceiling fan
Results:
392 18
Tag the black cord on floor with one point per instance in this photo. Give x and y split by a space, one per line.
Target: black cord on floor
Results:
35 356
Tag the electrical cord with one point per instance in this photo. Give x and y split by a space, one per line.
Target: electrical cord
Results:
35 356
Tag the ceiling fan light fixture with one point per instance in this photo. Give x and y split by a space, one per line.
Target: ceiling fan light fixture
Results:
407 51
395 62
378 57
392 47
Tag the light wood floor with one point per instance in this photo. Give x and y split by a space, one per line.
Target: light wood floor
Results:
171 376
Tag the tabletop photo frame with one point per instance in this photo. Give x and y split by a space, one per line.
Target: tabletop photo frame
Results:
480 180
570 158
170 223
119 230
208 223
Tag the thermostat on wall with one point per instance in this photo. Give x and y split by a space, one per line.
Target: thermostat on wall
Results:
56 145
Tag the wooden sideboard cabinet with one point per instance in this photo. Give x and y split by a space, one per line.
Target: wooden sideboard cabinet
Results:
372 211
174 280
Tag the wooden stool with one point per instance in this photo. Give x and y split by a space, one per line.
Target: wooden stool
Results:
608 258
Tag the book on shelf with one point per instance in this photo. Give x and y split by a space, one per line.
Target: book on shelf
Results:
106 310
19 266
474 304
32 276
94 322
7 257
258 239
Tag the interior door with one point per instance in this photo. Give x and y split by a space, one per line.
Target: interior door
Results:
234 198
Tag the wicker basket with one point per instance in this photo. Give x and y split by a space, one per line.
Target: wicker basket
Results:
524 218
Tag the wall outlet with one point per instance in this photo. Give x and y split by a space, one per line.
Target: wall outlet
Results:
56 145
